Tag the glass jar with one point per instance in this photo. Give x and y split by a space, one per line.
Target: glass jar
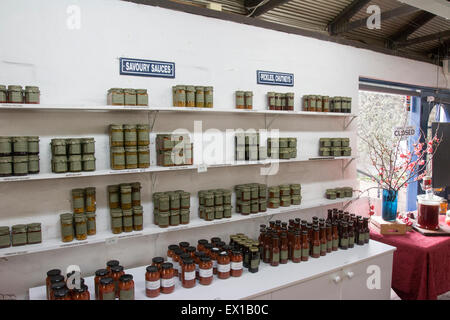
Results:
106 289
152 282
138 220
67 230
236 263
116 221
15 94
223 265
126 287
117 158
131 159
81 293
254 260
180 96
116 273
190 96
428 211
199 97
125 196
205 275
3 94
240 102
208 96
90 199
129 97
130 135
54 274
113 197
19 235
116 135
99 274
80 226
214 256
167 278
91 223
78 200
61 294
34 233
188 273
110 264
127 220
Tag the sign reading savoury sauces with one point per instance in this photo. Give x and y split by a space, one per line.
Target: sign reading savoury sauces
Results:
147 68
275 78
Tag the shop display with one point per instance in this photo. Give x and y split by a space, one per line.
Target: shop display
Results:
73 155
247 147
280 101
16 94
317 103
174 150
171 208
244 99
334 147
129 146
19 156
20 234
339 193
193 96
282 148
125 207
214 204
251 198
127 97
284 195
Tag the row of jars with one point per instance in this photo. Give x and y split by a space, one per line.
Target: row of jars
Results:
174 150
127 97
317 103
20 234
244 99
129 135
130 157
77 226
280 101
171 208
84 200
248 148
339 193
193 96
16 94
335 147
73 155
251 198
214 204
19 146
282 148
124 196
56 287
19 165
284 195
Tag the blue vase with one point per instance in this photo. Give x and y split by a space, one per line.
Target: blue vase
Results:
389 205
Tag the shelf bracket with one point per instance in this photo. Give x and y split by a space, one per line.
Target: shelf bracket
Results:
152 119
346 124
344 167
267 126
154 178
346 204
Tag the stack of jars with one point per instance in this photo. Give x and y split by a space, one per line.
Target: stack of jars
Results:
249 249
129 146
280 101
125 207
244 99
248 147
317 103
16 94
56 287
339 193
251 198
171 208
113 283
284 195
19 156
20 234
214 204
127 97
73 155
174 150
334 147
192 96
282 148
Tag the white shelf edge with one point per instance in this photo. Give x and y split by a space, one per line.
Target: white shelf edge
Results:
55 244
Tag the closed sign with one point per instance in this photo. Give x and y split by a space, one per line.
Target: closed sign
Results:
404 132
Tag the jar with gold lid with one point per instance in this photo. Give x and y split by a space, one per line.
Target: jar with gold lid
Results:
15 94
19 235
116 97
116 220
34 233
67 230
118 158
80 226
129 97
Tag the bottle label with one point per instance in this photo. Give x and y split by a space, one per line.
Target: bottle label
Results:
223 267
275 257
189 275
297 254
236 265
167 283
323 247
284 255
267 254
367 236
316 250
305 252
109 296
351 241
344 242
330 244
335 243
254 263
206 273
126 294
169 259
152 285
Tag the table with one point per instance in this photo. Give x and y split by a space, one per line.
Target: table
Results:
421 268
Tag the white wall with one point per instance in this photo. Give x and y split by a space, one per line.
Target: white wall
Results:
77 67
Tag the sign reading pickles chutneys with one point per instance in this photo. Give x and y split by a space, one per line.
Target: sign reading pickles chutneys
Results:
147 68
275 78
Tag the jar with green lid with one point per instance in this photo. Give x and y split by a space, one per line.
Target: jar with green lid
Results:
32 94
218 212
199 97
285 201
227 211
114 196
125 196
174 219
185 200
245 207
254 192
20 145
345 142
90 199
331 194
273 203
116 220
190 96
88 162
337 104
20 165
143 157
6 166
274 192
34 233
67 230
138 220
130 135
226 196
174 201
163 219
58 147
164 203
296 199
127 220
254 206
324 152
141 97
5 238
91 223
19 235
116 135
78 201
346 151
15 94
136 194
184 216
209 199
262 205
319 105
336 151
3 94
285 190
209 213
325 142
116 97
33 145
80 226
180 96
129 97
5 146
88 145
75 164
73 146
117 158
131 158
208 96
348 192
143 137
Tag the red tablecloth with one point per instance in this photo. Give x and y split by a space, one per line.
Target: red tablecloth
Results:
421 267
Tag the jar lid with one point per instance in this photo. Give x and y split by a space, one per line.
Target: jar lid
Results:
191 249
58 285
101 272
126 278
200 254
57 278
116 126
129 126
167 265
173 247
184 244
185 255
53 272
215 239
205 259
87 140
116 89
178 251
129 90
199 88
152 269
82 289
188 261
208 246
125 188
158 260
14 88
36 226
202 241
106 281
113 188
112 263
19 228
117 268
141 91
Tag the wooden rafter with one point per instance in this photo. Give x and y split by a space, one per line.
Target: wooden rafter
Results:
345 15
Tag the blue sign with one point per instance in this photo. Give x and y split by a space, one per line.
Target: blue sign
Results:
275 78
147 68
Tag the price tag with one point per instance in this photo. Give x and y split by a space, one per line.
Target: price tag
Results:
111 241
202 168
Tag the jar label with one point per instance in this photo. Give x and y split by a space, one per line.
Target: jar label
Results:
109 296
206 273
223 267
305 252
236 265
297 253
167 283
267 254
254 263
316 250
189 275
284 255
152 285
126 294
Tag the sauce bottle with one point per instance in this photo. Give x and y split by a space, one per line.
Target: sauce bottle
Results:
316 243
126 287
188 273
296 255
344 237
284 254
305 246
106 289
323 240
329 237
206 271
237 263
267 247
152 282
335 236
351 235
275 251
167 278
223 265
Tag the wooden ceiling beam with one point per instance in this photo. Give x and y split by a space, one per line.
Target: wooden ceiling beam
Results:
345 15
434 36
271 4
415 24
